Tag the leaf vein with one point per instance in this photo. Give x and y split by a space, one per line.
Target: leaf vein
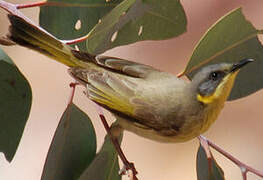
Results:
160 16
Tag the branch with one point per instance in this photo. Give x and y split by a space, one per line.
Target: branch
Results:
243 167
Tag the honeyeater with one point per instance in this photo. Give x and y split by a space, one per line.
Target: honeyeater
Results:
148 102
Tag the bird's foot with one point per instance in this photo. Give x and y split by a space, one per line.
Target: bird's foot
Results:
130 170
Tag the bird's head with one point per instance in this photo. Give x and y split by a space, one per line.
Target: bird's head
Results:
216 81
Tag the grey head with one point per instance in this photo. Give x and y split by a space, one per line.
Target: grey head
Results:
209 77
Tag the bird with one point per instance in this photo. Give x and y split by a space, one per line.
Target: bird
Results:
151 103
146 101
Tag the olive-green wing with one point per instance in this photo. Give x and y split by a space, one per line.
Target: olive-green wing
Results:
130 90
124 97
112 92
116 83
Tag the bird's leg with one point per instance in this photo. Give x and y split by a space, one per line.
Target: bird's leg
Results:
116 131
127 164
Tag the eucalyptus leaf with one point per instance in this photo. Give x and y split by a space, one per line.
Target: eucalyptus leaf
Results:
15 104
73 147
61 17
105 165
207 168
130 21
231 39
137 20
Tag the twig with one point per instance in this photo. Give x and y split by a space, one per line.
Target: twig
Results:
75 41
244 173
73 86
180 74
29 5
205 146
243 167
127 164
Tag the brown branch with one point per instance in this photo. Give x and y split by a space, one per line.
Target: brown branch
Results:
243 167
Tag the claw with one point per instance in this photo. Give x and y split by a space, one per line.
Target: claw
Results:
123 171
126 169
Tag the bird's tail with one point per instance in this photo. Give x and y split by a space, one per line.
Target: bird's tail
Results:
27 34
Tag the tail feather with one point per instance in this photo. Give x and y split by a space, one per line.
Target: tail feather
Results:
27 35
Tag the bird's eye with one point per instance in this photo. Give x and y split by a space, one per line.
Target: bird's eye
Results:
214 75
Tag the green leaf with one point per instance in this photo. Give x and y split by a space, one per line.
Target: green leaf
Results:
73 147
207 167
105 165
15 104
231 39
137 20
61 17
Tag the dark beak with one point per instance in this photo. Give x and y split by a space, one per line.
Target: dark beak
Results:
240 64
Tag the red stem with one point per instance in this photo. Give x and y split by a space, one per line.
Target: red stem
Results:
244 173
244 168
75 41
180 74
29 5
73 86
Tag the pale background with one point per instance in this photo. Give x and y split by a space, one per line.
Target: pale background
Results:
238 129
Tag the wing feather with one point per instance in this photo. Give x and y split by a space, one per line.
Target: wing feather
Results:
110 91
117 65
128 89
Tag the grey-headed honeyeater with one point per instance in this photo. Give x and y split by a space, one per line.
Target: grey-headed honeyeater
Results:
150 103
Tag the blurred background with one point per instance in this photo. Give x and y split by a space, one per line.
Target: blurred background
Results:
238 130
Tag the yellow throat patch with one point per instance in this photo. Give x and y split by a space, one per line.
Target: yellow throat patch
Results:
222 91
